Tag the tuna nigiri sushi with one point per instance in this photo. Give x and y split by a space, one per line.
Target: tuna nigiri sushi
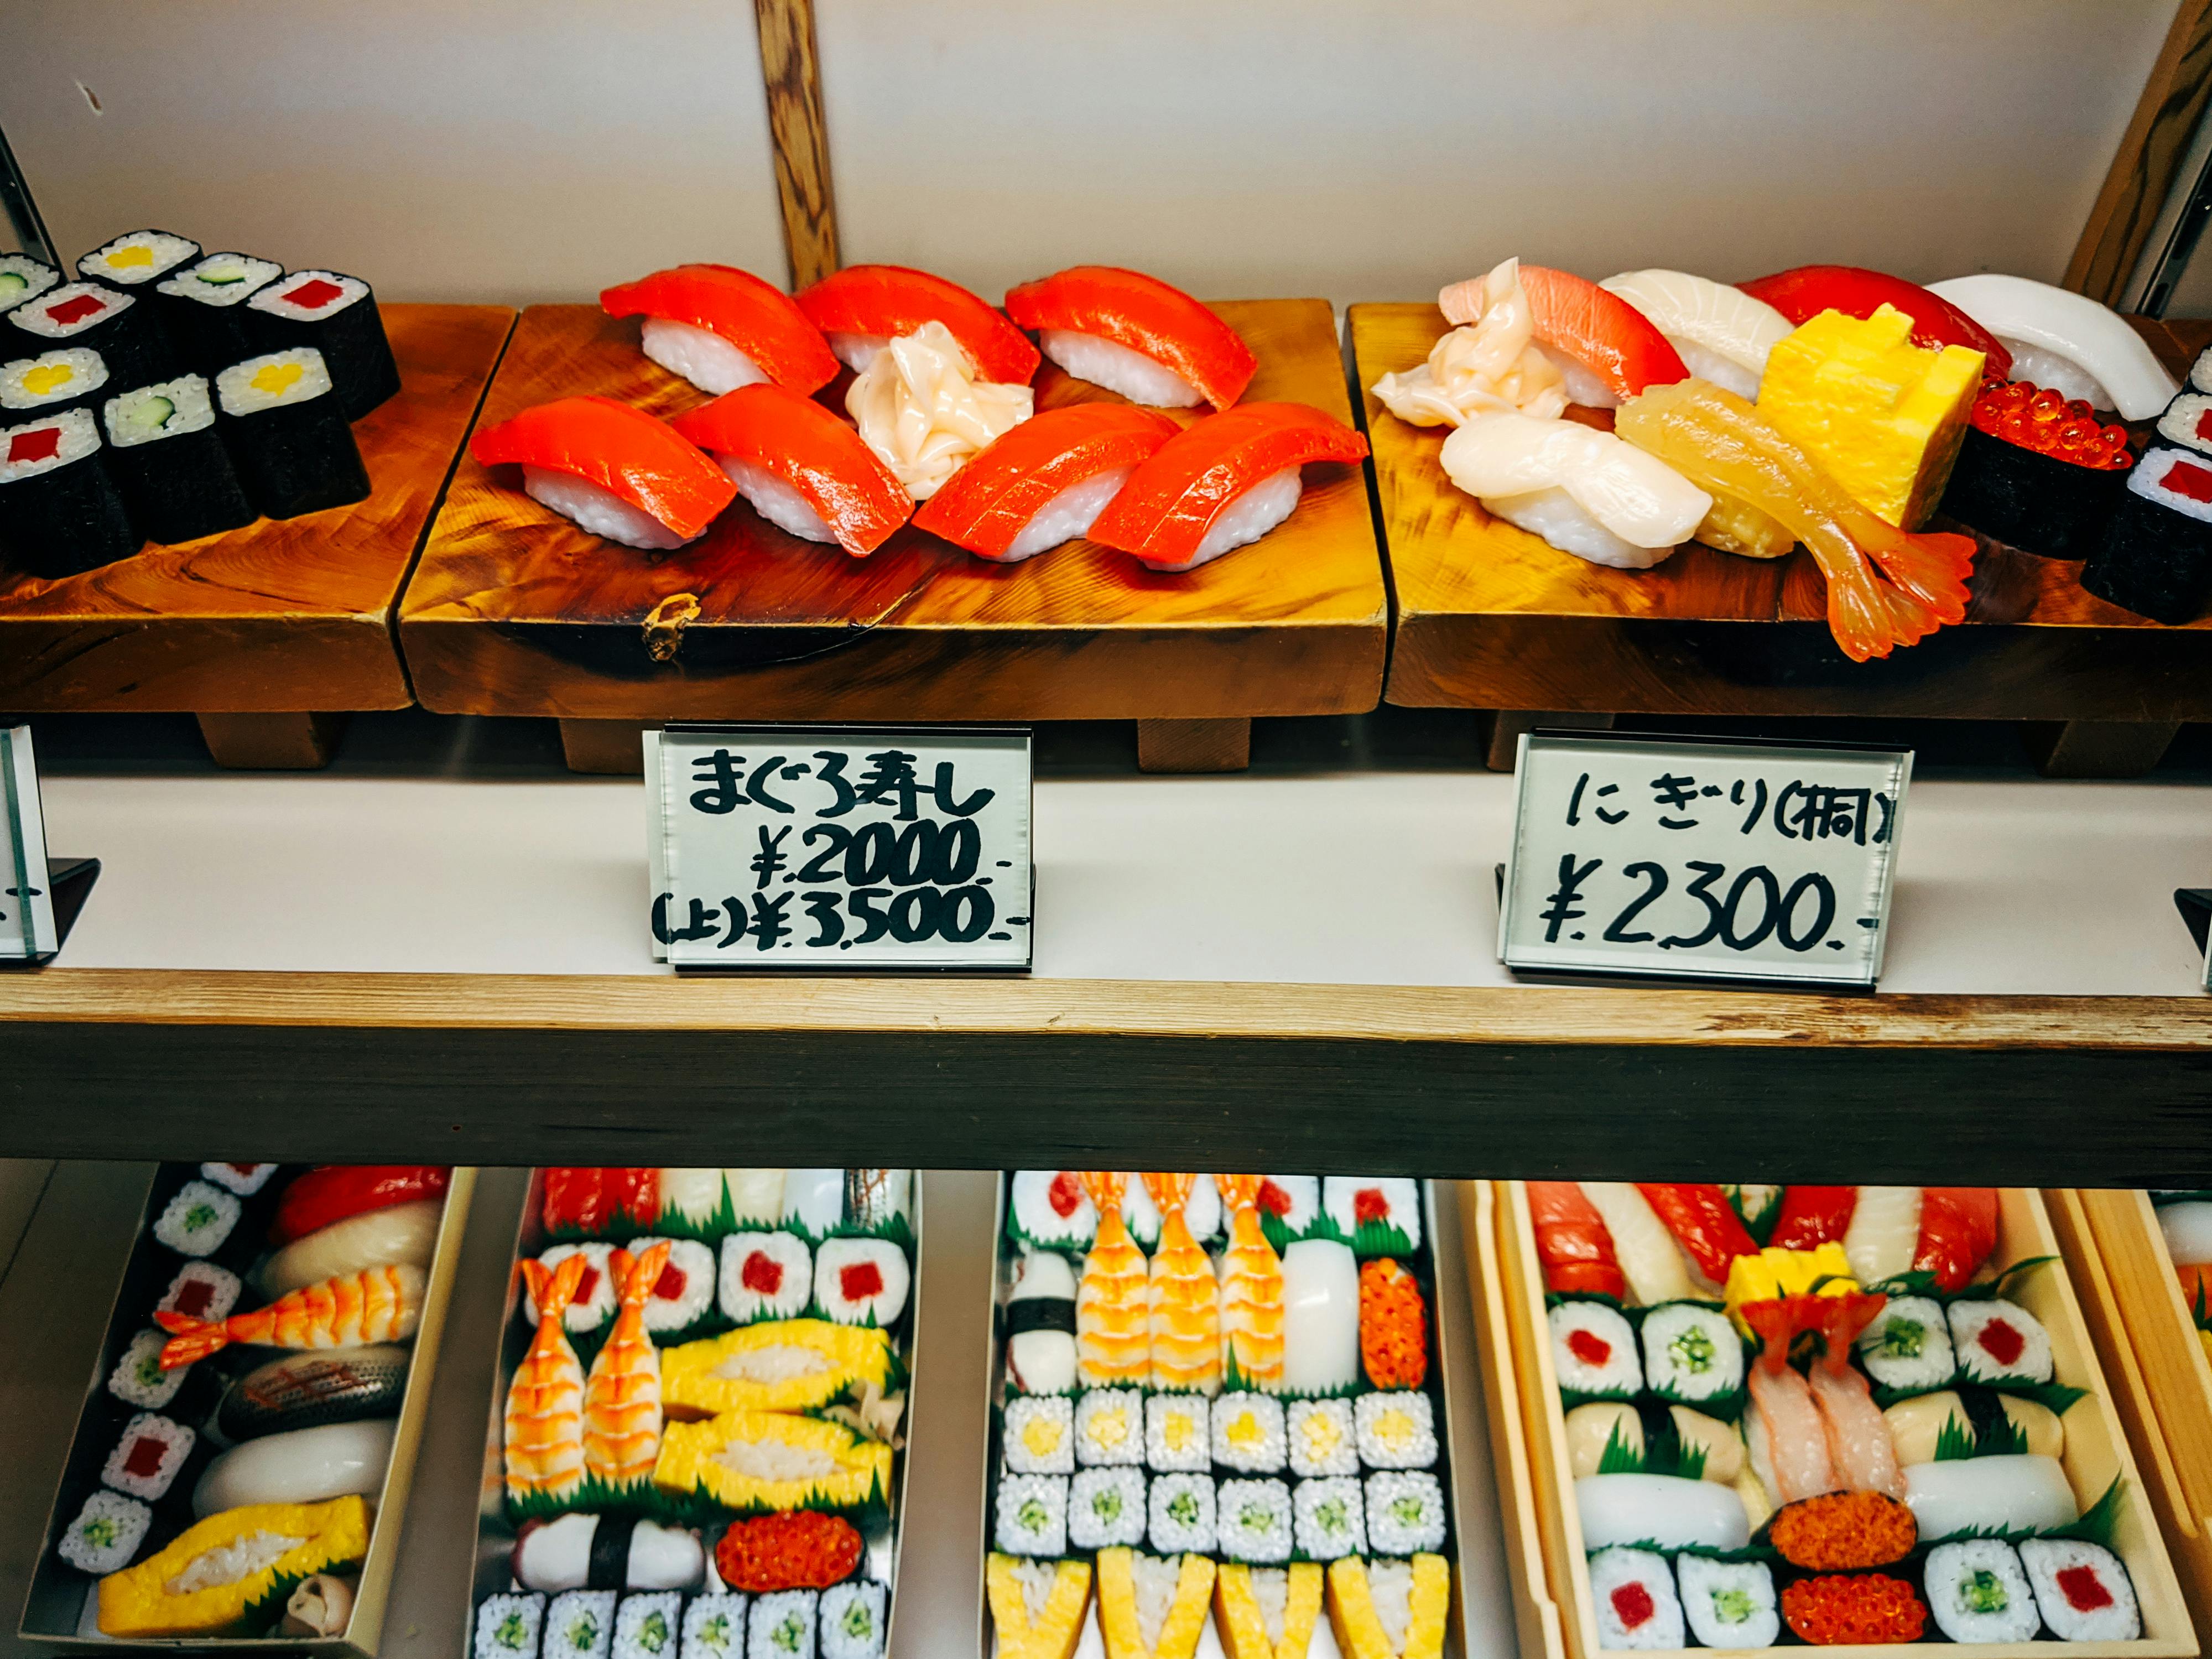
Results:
614 469
862 308
1721 333
1044 482
1135 335
1803 292
721 328
1608 350
2066 341
804 470
1584 491
1226 481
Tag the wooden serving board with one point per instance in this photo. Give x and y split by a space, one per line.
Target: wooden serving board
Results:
268 631
515 610
1492 617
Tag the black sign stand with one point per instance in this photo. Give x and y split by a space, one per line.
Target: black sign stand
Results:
2194 904
69 882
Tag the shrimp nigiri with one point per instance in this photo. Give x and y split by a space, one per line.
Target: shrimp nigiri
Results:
1251 1290
377 1304
1113 1339
1184 1299
544 1436
622 1396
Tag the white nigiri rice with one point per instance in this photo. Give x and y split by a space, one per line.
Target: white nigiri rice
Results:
1555 518
1625 1619
1066 515
775 501
601 512
1105 363
1245 519
2054 373
700 355
856 351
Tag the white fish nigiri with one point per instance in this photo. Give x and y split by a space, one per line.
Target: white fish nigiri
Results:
1721 333
2065 341
1649 1258
1885 1230
1586 492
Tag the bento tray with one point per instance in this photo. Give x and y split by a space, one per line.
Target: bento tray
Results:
1439 1387
2096 1446
496 1535
2162 1380
53 1610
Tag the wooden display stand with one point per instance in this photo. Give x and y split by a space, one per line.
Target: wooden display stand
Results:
515 610
1490 617
272 633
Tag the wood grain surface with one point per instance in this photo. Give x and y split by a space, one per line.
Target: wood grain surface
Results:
1490 617
515 610
279 616
799 134
2148 164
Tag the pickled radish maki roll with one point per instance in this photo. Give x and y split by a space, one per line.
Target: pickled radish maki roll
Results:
1177 1439
1693 1357
1049 1210
1395 1430
1594 1351
1977 1591
765 1276
125 333
205 307
1109 1427
23 277
1246 1433
139 259
1729 1604
1322 1439
60 512
2156 557
1999 1342
1252 1521
106 1535
295 450
335 314
1907 1345
2082 1591
1040 1435
1106 1509
172 464
1634 1594
860 1281
53 381
509 1626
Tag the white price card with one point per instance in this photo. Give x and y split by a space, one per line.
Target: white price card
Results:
27 910
1702 860
813 849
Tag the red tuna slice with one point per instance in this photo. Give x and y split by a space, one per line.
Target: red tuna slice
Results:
812 450
759 319
1803 292
893 300
989 501
623 451
1144 314
1607 335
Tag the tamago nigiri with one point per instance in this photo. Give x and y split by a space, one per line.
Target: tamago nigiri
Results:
1112 1340
1184 1300
1251 1292
622 1396
544 1435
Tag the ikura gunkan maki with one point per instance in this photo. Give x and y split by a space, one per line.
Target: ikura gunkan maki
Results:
73 377
2155 558
338 316
23 277
204 308
126 334
2036 472
171 462
60 512
294 448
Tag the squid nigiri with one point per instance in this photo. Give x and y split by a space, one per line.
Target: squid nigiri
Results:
1228 480
721 328
804 470
862 308
2065 341
1720 442
1135 335
1045 481
1721 333
1642 1245
1606 349
1583 492
614 469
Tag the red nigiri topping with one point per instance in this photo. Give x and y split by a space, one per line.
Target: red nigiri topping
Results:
1146 315
2084 1588
1600 330
987 504
763 1273
42 445
2035 418
860 1280
895 300
755 317
647 464
1589 1347
803 444
1065 1194
1804 292
1633 1604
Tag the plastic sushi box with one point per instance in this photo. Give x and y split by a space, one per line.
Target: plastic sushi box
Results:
1441 1311
2161 1378
1543 1533
58 1612
497 1529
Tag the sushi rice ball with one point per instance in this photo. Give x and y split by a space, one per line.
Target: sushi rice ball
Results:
145 1461
1106 1509
782 1625
715 1626
1039 1437
1692 1354
1395 1430
1252 1521
2082 1589
138 1379
1177 1439
860 1281
198 1219
852 1620
1289 1205
1594 1351
1049 1210
508 1626
684 1292
1247 1433
244 1179
1977 1591
1908 1346
1729 1604
1109 1427
106 1534
1032 1515
597 1293
1329 1522
1389 1207
1321 1438
1180 1514
649 1626
1405 1512
765 1276
579 1624
201 1290
2000 1342
1637 1606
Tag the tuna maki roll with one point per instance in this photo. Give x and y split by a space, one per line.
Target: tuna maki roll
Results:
1049 1210
205 307
138 1379
23 277
1594 1351
1247 1434
201 1290
860 1281
244 1179
2155 557
1999 1342
139 259
87 315
1177 1439
71 378
2188 422
782 1625
852 1621
61 513
1106 1508
1634 1595
1180 1513
1321 1438
1380 1215
106 1535
1032 1515
685 1293
1729 1604
294 448
1907 1347
1290 1205
1039 1437
1328 1518
1109 1427
1405 1512
1977 1591
648 1626
2036 472
2082 1589
1395 1430
1692 1356
715 1626
1252 1521
198 1219
508 1626
336 315
580 1624
173 467
765 1276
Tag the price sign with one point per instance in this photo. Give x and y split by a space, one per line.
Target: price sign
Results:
1704 860
26 911
816 849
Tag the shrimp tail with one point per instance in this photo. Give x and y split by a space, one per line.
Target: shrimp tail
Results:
1933 569
1859 615
191 1341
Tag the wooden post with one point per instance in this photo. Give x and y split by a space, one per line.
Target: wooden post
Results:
271 743
792 72
2150 156
1207 745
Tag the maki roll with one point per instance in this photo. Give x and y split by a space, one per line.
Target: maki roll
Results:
860 1281
851 1620
594 1304
1907 1347
1290 1205
1252 1521
782 1625
1328 1518
1977 1591
1594 1351
1379 1215
2155 558
88 316
138 260
2082 1589
1032 1515
145 1461
336 315
765 1276
2187 423
23 277
1247 1433
1109 1428
1692 1356
1999 1342
197 1220
715 1626
1180 1511
138 1379
1729 1604
1405 1512
1049 1210
106 1534
1321 1438
1393 1342
509 1626
72 378
201 1290
294 448
1040 1325
648 1626
1634 1594
244 1179
1106 1507
2036 472
1178 1436
580 1624
683 1294
1854 1609
205 307
1395 1430
1039 1437
174 470
60 512
1321 1317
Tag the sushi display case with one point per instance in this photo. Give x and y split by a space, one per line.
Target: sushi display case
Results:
696 1447
1901 1434
240 1469
1220 1422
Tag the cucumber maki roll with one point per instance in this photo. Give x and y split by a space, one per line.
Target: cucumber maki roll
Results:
138 260
72 378
295 450
106 1535
205 307
23 277
1729 1604
851 1620
1106 1507
1329 1520
1405 1512
648 1626
172 465
1032 1515
1977 1591
61 513
138 1379
782 1625
1907 1347
1692 1356
93 317
336 315
198 1219
1180 1511
2156 557
580 1624
715 1626
1252 1521
508 1626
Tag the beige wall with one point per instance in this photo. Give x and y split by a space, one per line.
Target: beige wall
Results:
534 148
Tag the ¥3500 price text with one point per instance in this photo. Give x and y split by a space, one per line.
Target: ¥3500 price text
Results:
1701 904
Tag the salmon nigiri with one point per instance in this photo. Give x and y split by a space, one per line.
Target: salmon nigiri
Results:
1184 1299
1226 481
862 308
622 1395
1045 481
614 469
1251 1290
1135 335
721 328
1113 1339
544 1434
804 470
1607 349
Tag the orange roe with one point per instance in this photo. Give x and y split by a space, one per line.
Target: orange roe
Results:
2036 418
1854 1608
798 1550
1842 1530
1393 1342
